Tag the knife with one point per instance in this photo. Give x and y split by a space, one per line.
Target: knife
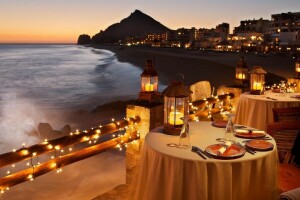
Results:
256 139
197 151
247 149
203 152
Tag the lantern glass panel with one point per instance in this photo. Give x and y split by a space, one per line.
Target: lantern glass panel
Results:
174 109
257 81
241 73
149 84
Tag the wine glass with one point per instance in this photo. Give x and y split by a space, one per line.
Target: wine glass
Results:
229 130
184 138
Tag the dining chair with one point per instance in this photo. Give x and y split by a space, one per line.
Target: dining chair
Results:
285 134
286 114
201 90
290 195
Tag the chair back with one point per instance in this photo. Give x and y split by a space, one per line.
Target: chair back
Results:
201 90
284 134
286 114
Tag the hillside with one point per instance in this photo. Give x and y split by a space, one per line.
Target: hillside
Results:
137 24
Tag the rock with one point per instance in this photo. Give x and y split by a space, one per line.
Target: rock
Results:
66 129
54 134
44 128
84 39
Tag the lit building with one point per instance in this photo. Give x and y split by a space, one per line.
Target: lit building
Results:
153 39
223 29
255 25
285 22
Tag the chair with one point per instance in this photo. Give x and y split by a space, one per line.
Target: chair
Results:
201 90
285 134
286 114
290 195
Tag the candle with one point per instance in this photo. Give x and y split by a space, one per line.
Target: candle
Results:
174 118
257 86
241 76
149 87
297 67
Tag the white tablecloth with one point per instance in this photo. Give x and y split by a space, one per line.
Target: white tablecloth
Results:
169 173
256 110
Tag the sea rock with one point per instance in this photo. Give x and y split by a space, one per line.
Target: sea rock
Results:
44 128
54 134
84 39
66 129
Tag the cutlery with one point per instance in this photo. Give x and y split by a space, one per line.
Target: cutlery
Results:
256 139
272 98
196 150
247 149
203 152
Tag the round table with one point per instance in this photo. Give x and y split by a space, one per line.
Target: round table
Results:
169 173
256 110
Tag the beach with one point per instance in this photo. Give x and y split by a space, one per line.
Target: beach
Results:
216 67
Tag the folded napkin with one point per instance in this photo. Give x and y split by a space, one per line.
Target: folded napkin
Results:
247 131
290 195
223 149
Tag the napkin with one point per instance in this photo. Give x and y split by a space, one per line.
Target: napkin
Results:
247 131
290 195
223 149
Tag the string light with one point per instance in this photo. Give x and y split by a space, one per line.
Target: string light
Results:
92 139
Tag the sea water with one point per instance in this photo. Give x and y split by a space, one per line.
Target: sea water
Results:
65 76
38 79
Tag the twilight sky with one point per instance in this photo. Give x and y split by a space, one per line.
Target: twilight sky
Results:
61 21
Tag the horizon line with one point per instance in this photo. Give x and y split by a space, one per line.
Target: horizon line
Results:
35 43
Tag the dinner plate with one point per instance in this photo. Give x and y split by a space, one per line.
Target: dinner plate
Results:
233 151
259 145
220 123
249 134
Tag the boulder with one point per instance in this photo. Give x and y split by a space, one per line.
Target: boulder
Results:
44 128
66 129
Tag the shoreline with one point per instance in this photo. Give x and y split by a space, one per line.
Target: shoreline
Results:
216 67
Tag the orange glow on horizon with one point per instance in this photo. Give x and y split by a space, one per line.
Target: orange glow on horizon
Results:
38 38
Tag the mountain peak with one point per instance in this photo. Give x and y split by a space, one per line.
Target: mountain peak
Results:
137 12
137 24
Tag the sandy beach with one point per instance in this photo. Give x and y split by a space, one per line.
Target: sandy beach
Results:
216 67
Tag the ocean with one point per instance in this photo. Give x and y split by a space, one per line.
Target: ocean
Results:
65 76
37 80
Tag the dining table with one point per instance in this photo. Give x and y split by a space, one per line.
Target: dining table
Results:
167 172
256 110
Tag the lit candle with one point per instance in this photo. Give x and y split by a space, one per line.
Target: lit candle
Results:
174 118
298 68
149 87
257 86
241 76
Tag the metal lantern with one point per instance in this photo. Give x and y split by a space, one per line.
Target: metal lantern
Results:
297 68
176 106
149 83
241 71
257 80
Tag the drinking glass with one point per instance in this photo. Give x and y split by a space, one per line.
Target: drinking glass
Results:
229 130
184 138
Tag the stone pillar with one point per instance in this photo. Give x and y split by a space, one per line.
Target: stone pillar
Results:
151 116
